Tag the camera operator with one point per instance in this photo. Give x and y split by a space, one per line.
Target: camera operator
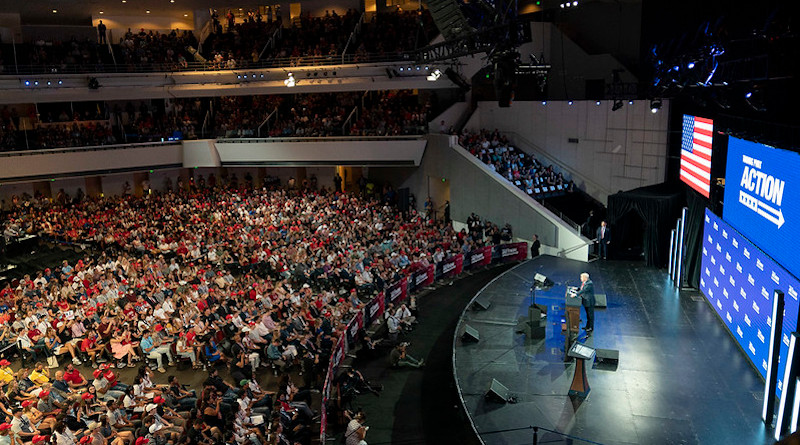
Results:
399 358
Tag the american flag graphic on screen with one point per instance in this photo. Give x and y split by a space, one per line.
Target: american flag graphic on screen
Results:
696 153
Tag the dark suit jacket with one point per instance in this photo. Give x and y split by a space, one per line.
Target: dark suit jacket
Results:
606 238
587 294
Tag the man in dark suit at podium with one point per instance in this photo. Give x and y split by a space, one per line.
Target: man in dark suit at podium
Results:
586 293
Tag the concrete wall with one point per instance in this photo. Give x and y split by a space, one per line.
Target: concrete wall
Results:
45 164
616 150
472 187
329 151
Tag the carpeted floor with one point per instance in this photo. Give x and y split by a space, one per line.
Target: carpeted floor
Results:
420 406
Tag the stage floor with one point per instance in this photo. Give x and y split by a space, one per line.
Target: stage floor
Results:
681 378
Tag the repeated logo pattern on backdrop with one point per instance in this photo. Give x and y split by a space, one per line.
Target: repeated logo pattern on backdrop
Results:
739 280
762 198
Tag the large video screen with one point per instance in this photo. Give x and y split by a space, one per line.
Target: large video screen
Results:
696 153
762 198
739 281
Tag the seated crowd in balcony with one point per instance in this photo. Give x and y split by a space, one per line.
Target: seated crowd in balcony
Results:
242 44
518 167
388 113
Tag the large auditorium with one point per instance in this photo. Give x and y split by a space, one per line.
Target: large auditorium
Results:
399 222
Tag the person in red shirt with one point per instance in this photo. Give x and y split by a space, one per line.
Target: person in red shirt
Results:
74 378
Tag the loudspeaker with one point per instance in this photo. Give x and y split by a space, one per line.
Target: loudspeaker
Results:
606 359
470 335
481 304
497 392
600 300
542 281
403 198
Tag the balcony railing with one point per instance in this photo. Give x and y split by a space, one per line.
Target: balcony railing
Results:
281 62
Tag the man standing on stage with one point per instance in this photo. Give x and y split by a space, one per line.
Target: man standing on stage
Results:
603 240
586 293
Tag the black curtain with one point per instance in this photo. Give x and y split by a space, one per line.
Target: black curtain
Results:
659 206
693 236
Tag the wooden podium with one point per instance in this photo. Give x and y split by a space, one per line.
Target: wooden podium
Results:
580 384
572 324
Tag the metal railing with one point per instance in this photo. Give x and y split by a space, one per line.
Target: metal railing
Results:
560 214
6 154
271 42
347 121
278 62
318 139
266 121
354 35
206 123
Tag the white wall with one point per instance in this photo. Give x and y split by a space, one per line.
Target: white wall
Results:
112 184
117 25
9 190
616 150
46 164
330 151
70 186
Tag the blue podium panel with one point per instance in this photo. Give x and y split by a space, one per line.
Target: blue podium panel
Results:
738 280
762 198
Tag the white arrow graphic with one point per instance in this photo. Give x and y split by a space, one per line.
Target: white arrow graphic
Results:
763 210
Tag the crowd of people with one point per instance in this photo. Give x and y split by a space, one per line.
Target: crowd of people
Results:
518 167
155 50
239 44
394 33
83 54
387 113
221 277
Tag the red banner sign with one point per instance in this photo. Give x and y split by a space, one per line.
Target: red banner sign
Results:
453 266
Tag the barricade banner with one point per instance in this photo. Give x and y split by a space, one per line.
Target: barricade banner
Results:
511 251
479 257
338 355
354 328
453 266
397 291
373 310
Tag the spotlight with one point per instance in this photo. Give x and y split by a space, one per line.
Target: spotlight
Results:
36 83
409 68
676 68
569 102
427 68
417 68
238 76
655 105
630 102
748 95
544 102
49 83
690 65
617 105
562 6
574 3
27 83
597 103
401 68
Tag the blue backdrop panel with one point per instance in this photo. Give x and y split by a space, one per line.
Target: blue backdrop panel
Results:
738 280
762 198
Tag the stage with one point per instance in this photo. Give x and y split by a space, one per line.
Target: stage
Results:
680 379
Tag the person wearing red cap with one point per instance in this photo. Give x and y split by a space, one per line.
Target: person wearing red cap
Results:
6 373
